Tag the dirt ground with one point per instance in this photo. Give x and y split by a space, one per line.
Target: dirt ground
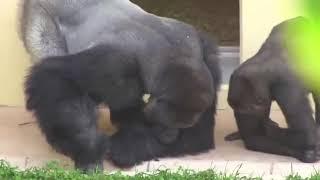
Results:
218 17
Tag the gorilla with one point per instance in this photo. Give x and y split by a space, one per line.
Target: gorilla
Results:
269 76
166 58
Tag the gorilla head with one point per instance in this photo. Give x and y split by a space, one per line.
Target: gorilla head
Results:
182 107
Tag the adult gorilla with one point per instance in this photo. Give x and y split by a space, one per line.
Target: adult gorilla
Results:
268 76
178 66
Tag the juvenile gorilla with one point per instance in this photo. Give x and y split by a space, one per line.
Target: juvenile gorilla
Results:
177 65
266 77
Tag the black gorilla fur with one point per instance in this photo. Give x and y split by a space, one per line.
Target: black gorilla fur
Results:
267 77
64 91
164 57
192 140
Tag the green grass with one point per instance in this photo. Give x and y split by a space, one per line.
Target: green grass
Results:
52 171
315 176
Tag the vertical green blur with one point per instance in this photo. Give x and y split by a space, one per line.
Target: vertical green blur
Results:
305 49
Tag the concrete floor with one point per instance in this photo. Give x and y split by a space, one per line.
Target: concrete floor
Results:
22 145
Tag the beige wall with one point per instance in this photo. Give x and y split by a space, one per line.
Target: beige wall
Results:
13 58
257 19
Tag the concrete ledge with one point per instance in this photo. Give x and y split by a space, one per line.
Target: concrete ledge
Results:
23 145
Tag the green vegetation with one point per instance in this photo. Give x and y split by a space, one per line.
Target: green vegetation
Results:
305 50
52 171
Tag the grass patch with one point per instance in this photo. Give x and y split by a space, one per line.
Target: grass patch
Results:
315 176
53 171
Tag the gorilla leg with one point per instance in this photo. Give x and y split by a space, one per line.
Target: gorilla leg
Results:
70 127
299 140
266 136
302 132
132 146
250 127
294 103
196 139
294 139
165 134
269 124
135 140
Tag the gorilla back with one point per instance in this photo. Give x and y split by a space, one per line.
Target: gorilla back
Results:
64 91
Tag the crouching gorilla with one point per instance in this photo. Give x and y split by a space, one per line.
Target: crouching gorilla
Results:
143 53
266 77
